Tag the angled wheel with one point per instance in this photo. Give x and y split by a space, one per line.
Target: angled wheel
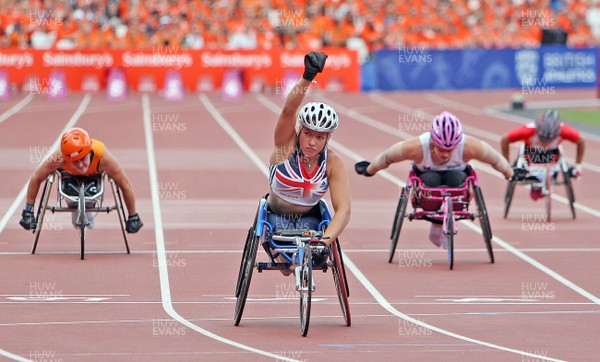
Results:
42 211
570 193
398 218
340 281
484 221
510 190
448 228
120 211
247 245
305 289
548 196
81 218
248 260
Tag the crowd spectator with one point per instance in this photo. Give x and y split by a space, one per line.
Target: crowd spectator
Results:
366 25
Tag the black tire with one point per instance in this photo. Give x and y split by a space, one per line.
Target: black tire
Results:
249 260
41 212
81 211
548 197
570 192
484 222
305 289
449 221
510 190
247 244
340 281
120 211
251 233
398 219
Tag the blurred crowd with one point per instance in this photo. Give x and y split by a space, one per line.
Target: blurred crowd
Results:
365 25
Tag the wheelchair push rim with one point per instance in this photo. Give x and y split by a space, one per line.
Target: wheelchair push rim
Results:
305 270
248 260
42 211
398 220
340 281
484 222
448 228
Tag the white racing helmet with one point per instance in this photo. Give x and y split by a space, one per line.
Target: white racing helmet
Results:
318 117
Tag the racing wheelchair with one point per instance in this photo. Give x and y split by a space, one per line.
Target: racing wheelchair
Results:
291 248
79 195
542 170
442 205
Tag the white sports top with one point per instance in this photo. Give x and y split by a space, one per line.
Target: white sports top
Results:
456 161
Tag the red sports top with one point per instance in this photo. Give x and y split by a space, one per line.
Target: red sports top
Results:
527 134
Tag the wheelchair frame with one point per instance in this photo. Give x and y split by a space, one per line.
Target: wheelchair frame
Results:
547 182
301 258
450 198
82 220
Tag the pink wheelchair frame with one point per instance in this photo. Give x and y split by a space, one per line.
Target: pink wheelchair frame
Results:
445 205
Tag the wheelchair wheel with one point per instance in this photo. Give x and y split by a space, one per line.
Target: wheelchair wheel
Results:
305 289
248 260
398 218
510 190
120 211
247 244
548 197
484 221
570 193
82 220
340 281
449 229
42 211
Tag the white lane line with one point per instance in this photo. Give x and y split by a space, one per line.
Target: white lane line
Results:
233 134
17 107
161 253
7 354
385 304
21 196
371 122
396 181
375 293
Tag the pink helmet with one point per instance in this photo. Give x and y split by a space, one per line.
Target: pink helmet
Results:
446 131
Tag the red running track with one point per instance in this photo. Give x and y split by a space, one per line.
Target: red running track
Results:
198 168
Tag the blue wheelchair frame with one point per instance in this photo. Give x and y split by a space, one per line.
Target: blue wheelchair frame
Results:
297 252
285 250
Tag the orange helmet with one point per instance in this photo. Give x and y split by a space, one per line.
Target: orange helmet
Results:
75 144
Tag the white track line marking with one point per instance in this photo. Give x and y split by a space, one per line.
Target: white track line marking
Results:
19 200
12 356
396 181
160 243
388 129
16 108
382 301
385 304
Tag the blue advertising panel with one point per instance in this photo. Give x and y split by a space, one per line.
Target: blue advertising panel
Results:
412 68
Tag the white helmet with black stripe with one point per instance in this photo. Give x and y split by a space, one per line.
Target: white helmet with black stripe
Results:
318 117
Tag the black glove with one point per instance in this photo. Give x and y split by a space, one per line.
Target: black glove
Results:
519 174
361 168
314 62
575 171
28 218
133 224
321 256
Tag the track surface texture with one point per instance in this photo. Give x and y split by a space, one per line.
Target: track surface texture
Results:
198 168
